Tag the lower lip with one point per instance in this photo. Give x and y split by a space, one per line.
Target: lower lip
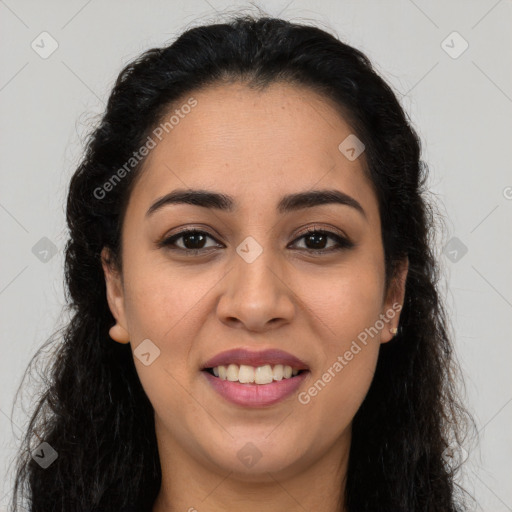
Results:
255 395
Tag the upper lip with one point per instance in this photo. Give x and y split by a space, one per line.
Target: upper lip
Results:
241 356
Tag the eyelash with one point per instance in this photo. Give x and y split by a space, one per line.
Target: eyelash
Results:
342 242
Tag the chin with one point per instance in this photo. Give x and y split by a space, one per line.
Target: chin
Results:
252 461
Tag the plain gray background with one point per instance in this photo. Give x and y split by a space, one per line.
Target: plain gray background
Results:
461 106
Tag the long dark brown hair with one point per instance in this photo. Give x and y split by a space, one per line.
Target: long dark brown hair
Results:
93 410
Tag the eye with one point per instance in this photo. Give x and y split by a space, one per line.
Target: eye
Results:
193 241
315 240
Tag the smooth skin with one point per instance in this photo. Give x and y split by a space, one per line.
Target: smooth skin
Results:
255 146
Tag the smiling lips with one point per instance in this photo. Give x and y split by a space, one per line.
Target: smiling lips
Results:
255 379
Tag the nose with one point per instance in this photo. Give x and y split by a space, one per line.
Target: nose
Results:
258 295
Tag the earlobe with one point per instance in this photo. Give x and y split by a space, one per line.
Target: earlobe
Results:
395 300
115 298
119 334
389 332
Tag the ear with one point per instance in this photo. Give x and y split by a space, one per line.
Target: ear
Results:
394 300
115 297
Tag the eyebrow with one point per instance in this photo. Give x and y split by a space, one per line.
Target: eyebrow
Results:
288 203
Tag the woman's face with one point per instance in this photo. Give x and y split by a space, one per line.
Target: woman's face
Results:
255 281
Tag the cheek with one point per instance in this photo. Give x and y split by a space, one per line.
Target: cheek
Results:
163 307
161 298
332 399
167 304
338 386
346 313
344 303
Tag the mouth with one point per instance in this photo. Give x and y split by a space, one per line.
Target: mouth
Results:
255 379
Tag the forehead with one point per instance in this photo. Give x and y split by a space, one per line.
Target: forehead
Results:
253 144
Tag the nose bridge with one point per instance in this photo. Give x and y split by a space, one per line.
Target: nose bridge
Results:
255 264
256 294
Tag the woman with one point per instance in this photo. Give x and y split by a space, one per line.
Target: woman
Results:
256 321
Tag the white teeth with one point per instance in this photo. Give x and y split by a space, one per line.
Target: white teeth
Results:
278 372
263 375
249 374
232 372
246 374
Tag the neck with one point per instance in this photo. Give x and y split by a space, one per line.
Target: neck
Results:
196 486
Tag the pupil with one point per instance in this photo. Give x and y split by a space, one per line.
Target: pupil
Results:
195 236
316 243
